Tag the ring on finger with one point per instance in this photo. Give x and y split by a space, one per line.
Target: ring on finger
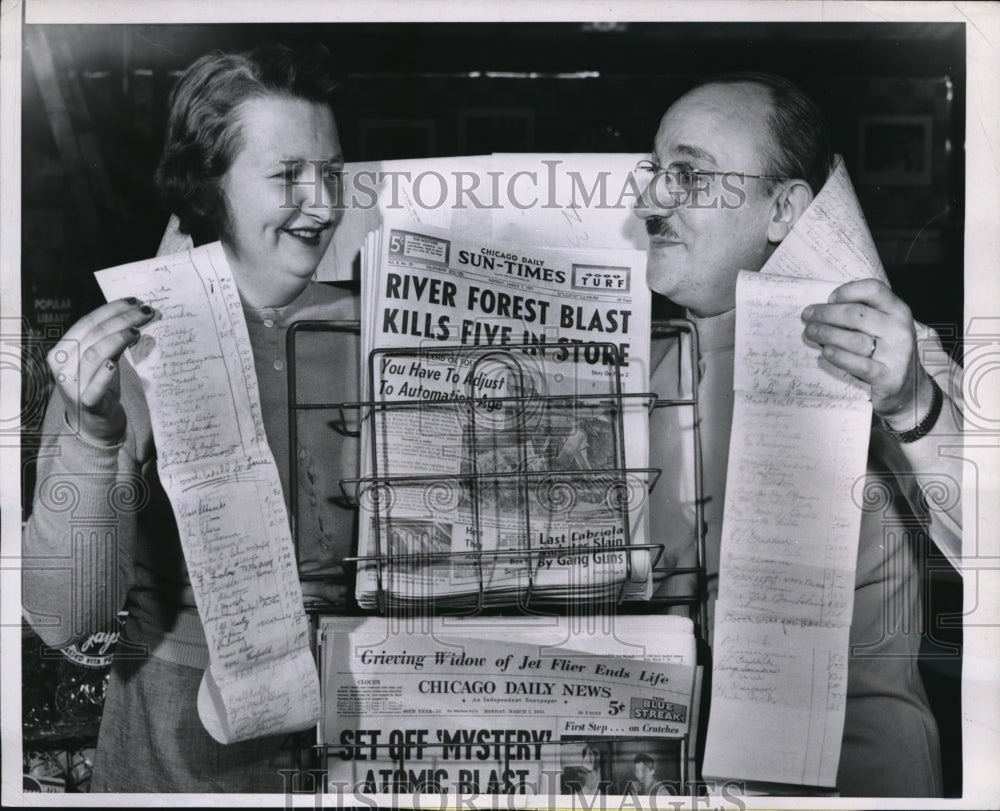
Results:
871 352
110 365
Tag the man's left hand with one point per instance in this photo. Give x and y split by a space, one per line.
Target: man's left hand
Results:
867 330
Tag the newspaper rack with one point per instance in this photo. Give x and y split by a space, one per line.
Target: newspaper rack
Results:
347 422
618 477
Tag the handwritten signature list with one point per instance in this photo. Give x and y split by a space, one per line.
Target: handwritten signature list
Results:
197 371
790 529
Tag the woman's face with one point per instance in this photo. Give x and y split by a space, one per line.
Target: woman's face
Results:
282 195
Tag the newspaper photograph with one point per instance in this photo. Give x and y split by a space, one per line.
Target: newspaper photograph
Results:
460 709
505 449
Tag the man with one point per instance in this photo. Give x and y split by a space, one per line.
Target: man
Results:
736 162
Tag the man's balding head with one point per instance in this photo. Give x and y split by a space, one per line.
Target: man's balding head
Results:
735 162
801 146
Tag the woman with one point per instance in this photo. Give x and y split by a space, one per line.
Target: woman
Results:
252 158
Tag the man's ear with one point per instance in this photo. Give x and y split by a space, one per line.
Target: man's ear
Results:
791 201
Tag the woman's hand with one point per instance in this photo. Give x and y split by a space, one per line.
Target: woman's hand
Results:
85 366
867 330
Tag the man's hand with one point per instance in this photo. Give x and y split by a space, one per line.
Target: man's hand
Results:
867 330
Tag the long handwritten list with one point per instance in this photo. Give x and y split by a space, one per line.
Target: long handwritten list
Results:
789 545
790 532
197 370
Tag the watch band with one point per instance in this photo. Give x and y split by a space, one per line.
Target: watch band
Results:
925 425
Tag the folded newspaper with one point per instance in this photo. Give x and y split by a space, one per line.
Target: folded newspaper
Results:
509 706
504 451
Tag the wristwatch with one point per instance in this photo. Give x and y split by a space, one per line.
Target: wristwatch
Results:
925 425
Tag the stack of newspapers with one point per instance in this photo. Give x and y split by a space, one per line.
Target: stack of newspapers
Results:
515 705
504 440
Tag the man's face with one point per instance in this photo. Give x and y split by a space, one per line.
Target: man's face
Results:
698 246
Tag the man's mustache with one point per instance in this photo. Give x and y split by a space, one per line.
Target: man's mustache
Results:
660 227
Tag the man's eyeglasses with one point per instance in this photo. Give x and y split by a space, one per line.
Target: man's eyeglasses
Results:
685 179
